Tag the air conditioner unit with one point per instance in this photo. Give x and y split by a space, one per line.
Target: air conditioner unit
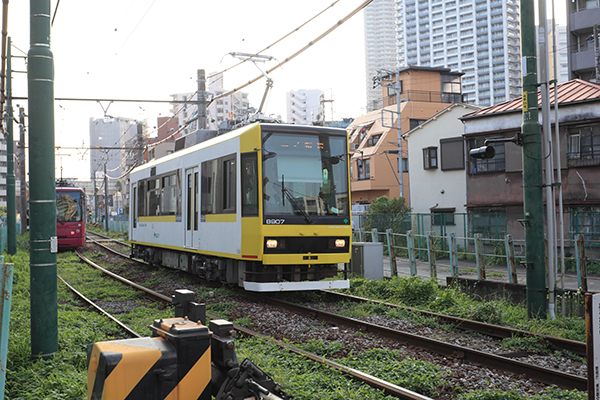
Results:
355 146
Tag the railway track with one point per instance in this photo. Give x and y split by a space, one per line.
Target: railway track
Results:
547 376
380 384
496 331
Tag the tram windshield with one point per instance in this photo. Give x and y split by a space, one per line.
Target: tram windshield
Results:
305 175
69 206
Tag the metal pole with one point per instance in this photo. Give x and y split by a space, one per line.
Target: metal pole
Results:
22 175
106 196
42 200
400 170
532 170
548 159
11 200
597 52
557 164
95 199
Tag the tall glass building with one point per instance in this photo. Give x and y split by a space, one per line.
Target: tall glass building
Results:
480 38
380 46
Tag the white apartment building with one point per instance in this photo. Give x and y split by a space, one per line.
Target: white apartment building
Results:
304 107
380 46
478 37
232 107
113 142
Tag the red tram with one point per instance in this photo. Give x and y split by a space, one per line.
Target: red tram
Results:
70 217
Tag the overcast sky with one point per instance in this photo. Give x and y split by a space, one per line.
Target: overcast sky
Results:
149 49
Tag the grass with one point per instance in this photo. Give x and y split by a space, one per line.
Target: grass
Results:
427 295
64 376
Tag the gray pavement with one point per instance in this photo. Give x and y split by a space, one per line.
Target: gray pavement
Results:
468 269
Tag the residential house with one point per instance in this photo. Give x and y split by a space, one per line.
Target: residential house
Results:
495 185
436 170
374 139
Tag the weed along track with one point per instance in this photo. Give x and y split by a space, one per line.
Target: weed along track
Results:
437 363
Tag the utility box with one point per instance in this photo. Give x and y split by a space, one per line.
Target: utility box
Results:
367 260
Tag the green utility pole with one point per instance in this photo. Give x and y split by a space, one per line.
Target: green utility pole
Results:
11 200
532 169
42 196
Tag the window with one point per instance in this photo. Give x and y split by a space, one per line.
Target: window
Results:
416 122
430 158
491 223
585 221
584 145
452 154
218 186
372 141
169 193
249 178
159 195
363 166
442 216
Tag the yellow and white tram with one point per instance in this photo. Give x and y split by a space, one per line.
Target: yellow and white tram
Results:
266 206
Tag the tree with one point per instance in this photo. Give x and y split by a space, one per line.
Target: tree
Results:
385 213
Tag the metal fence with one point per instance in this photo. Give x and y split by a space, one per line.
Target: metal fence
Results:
479 240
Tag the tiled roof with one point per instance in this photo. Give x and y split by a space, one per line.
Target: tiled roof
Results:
573 91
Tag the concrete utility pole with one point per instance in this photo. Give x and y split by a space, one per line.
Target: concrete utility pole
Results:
42 200
201 99
532 170
106 196
140 144
11 200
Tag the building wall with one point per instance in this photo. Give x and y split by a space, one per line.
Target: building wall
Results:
479 38
234 106
431 188
110 133
582 15
502 190
304 107
380 46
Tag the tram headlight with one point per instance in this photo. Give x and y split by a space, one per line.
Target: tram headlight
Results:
271 243
339 243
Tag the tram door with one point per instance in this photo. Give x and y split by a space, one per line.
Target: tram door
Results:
191 207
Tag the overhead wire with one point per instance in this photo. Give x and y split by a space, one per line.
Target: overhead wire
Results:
290 58
279 40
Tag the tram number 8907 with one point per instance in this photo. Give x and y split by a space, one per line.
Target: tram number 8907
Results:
272 221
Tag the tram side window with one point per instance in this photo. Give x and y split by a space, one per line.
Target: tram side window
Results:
168 199
249 178
141 198
218 186
153 197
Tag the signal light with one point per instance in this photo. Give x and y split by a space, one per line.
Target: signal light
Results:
483 152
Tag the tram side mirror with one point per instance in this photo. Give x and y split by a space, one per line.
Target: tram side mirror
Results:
483 152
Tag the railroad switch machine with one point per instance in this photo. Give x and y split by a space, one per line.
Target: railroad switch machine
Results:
183 360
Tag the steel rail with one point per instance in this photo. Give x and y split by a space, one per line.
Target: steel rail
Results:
123 280
130 331
492 330
540 374
387 387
